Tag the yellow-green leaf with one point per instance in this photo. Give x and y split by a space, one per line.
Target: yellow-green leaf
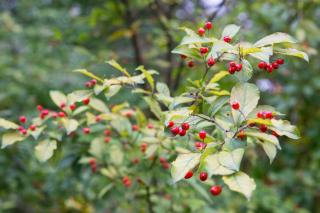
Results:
147 75
8 124
89 74
44 150
10 138
240 182
58 98
117 66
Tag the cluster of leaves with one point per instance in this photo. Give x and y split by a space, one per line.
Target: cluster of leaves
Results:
205 106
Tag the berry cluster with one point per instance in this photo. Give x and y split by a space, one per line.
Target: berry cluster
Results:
234 67
93 165
202 30
91 83
270 67
22 129
176 130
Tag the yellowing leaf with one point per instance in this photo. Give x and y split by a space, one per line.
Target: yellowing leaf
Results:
219 93
71 125
10 138
270 149
264 137
147 75
58 98
8 124
183 164
89 74
230 30
98 105
292 52
240 182
283 127
79 95
117 66
258 121
44 150
218 76
275 38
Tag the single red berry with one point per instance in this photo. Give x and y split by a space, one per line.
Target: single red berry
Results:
135 128
190 64
211 62
107 139
208 25
62 105
275 65
280 61
72 107
227 39
188 175
143 147
204 50
235 105
162 159
45 112
92 162
150 126
126 181
201 31
170 124
263 128
215 190
166 165
183 57
40 108
20 128
86 130
128 114
88 84
203 176
86 101
268 115
54 115
93 82
175 130
24 131
238 67
241 135
262 65
135 161
61 114
98 118
182 132
260 115
232 64
32 127
269 68
202 134
252 124
200 145
185 126
232 70
23 119
107 132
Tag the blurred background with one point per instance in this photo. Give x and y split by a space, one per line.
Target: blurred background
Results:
42 41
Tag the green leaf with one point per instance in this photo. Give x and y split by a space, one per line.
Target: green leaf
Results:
89 74
79 95
98 105
218 104
240 182
10 138
71 125
97 148
292 52
218 76
246 73
187 51
183 164
44 150
58 98
147 75
264 137
270 149
163 89
224 162
154 107
112 90
105 189
230 30
116 155
264 54
275 38
283 127
8 124
117 66
248 96
222 47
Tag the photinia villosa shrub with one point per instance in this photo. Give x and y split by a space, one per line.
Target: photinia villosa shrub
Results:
205 131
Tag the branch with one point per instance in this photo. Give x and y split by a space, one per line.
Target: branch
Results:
215 13
212 120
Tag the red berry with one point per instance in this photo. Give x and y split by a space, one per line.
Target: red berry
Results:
190 64
45 112
182 132
185 126
86 130
40 108
200 145
61 114
227 39
92 162
107 139
126 181
20 128
88 84
166 165
54 115
274 134
203 176
201 31
241 135
232 64
93 82
162 159
263 128
24 131
215 190
72 107
98 118
280 61
232 70
270 68
204 50
143 147
238 67
211 62
275 65
150 126
62 105
107 132
175 130
268 115
135 128
86 101
262 65
260 115
23 119
202 134
208 25
32 127
170 124
188 175
235 105
183 57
